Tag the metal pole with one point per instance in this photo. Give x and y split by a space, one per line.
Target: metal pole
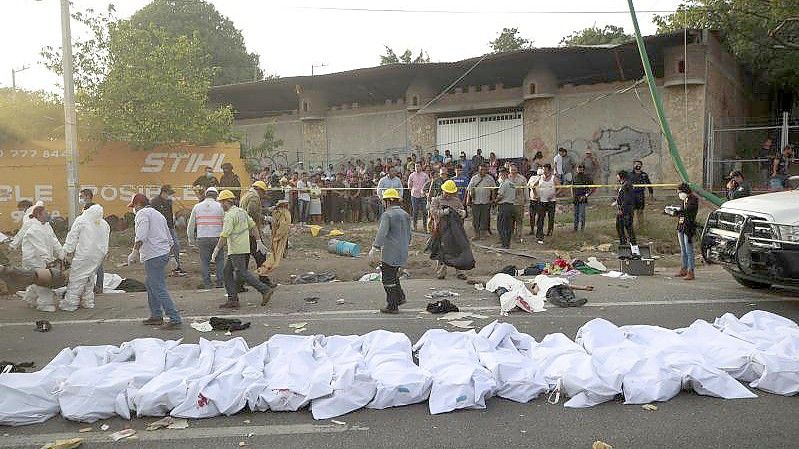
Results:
70 117
13 80
784 134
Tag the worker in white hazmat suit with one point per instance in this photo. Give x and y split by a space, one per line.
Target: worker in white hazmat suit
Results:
26 220
87 244
40 247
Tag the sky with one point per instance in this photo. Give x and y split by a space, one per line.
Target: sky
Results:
293 36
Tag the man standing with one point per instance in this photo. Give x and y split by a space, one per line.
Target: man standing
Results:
436 183
252 203
581 195
461 180
591 164
203 229
230 180
281 223
392 241
477 160
625 204
40 247
303 198
638 177
535 205
737 186
163 203
207 179
153 242
446 203
521 200
86 199
564 166
506 213
416 183
389 181
87 246
546 192
437 157
236 228
478 194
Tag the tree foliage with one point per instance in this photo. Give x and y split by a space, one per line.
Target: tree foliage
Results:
26 115
257 156
594 35
405 58
509 40
751 29
219 37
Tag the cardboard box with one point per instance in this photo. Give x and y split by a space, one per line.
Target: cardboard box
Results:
637 267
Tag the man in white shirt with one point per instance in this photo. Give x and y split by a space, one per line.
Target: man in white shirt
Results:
303 197
153 243
534 203
203 228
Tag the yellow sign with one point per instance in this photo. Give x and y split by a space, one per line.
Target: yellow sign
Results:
114 171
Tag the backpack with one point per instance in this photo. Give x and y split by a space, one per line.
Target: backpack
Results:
442 306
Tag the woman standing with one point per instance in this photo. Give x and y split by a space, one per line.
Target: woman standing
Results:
686 228
493 164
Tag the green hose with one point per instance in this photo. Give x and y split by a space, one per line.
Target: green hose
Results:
664 124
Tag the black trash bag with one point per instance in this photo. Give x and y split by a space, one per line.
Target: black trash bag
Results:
509 270
443 306
131 285
227 324
533 270
563 296
450 245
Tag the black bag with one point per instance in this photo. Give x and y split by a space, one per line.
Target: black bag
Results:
442 306
228 324
450 245
563 296
510 270
131 285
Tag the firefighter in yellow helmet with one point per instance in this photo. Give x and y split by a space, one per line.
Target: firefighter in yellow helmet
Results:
390 248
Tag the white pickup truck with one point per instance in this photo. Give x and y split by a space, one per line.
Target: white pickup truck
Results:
756 239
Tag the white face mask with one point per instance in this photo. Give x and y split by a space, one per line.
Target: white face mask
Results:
540 171
683 196
82 201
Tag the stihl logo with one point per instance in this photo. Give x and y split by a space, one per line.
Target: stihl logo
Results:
186 162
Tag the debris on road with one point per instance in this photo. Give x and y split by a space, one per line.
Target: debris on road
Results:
341 423
228 324
340 301
122 434
650 407
11 367
72 443
168 422
462 324
204 326
314 278
311 299
243 444
85 429
443 306
105 427
43 326
601 445
298 325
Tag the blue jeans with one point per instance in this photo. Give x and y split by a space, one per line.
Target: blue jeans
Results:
686 250
304 207
419 206
579 216
175 248
207 245
157 294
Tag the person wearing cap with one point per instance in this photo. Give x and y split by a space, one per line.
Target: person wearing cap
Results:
448 202
152 244
252 203
390 248
590 164
237 227
506 209
40 247
230 180
281 224
580 195
207 179
163 203
202 230
737 186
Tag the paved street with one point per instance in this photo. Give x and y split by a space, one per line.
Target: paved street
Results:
768 421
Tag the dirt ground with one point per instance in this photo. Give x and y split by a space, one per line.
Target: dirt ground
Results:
309 254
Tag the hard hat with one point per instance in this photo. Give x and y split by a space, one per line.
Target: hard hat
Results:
260 184
212 190
449 186
391 194
226 195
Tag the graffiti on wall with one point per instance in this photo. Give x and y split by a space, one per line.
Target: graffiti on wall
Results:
616 148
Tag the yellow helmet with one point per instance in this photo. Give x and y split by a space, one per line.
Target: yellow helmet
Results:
260 184
449 186
391 194
226 195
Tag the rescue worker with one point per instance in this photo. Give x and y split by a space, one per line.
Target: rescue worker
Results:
40 247
448 202
230 180
392 241
87 246
153 243
506 209
639 177
625 205
26 207
281 224
237 226
252 203
86 200
202 230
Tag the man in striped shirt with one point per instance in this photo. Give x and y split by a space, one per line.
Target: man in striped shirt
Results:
203 229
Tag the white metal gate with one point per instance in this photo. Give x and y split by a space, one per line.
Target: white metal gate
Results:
498 133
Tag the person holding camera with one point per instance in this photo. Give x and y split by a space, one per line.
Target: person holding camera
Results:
737 186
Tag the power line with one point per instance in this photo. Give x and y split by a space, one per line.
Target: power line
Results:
447 11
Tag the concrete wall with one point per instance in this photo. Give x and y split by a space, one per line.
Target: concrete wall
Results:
366 134
288 128
540 128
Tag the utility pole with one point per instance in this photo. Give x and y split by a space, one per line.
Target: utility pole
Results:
313 66
14 78
70 117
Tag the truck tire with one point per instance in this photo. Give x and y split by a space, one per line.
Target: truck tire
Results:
751 284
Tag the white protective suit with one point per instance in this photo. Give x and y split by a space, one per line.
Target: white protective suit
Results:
40 246
88 241
26 220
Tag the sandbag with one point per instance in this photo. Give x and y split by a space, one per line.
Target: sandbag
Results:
450 245
398 380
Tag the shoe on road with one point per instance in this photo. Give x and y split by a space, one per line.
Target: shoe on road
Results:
152 321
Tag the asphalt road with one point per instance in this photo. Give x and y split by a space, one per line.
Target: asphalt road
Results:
688 420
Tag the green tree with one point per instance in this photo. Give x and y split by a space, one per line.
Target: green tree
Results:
26 115
405 58
755 31
267 149
509 40
594 35
219 37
